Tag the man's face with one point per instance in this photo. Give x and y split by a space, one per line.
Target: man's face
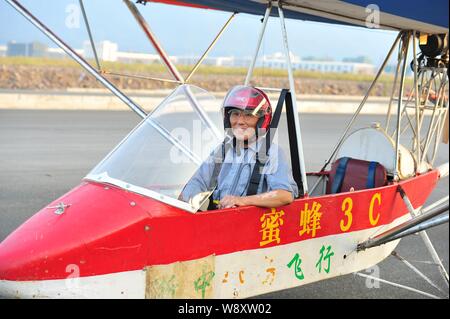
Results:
243 124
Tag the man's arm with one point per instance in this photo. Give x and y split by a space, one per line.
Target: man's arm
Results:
272 199
281 186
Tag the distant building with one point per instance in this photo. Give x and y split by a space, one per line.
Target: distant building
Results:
109 51
224 61
335 67
358 59
3 50
106 50
35 49
58 53
133 57
277 61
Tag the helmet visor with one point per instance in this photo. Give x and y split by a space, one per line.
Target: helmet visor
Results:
252 100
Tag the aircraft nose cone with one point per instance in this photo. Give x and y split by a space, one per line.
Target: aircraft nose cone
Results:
98 232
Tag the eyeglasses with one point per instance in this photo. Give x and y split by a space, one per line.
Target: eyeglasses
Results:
246 114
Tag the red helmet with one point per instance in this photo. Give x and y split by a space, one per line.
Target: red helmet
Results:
248 98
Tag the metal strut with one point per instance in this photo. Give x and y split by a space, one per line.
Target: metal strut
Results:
258 46
425 220
405 45
197 65
415 213
294 102
358 110
88 28
148 32
52 36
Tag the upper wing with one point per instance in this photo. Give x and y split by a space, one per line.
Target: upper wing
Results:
429 16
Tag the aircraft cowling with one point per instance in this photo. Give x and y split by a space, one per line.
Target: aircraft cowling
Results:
102 230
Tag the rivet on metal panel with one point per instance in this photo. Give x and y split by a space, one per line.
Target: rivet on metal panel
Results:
132 203
147 228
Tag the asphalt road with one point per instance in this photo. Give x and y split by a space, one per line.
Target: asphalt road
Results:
44 154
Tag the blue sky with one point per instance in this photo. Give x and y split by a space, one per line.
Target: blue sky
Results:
187 31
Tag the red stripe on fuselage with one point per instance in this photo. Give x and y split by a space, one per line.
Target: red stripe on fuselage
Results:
112 230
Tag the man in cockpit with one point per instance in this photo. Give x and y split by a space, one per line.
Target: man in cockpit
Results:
229 171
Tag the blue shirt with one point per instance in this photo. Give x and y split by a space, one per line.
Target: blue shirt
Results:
235 173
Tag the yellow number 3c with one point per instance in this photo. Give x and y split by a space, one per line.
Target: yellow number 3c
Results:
347 206
376 196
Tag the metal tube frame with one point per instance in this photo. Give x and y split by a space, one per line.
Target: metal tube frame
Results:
258 46
436 123
405 48
394 88
148 32
418 223
99 77
44 29
358 110
199 62
173 69
416 100
426 239
142 77
410 230
91 39
294 102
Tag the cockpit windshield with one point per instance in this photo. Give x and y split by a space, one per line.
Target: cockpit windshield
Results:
163 152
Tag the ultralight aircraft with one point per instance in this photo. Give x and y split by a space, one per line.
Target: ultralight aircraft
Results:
130 236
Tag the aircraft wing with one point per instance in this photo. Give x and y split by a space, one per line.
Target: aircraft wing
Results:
429 16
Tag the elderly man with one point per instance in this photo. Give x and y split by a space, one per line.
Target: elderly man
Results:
247 115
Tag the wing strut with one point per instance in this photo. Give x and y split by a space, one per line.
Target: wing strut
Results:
148 32
423 219
44 29
358 110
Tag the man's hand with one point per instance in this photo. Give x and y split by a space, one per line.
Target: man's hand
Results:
231 201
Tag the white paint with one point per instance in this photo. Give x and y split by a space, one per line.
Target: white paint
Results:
130 284
254 263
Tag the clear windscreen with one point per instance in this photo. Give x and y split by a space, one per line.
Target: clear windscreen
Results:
163 152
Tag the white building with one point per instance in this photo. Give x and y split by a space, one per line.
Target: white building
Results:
106 50
277 61
335 67
133 57
58 53
3 50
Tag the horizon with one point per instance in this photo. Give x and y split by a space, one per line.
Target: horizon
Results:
272 54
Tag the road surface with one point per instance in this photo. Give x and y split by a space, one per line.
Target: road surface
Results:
44 154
